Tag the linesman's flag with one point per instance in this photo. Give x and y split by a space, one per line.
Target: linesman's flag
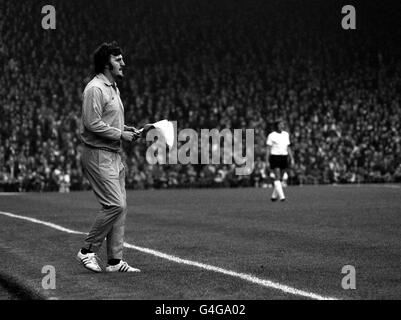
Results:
166 129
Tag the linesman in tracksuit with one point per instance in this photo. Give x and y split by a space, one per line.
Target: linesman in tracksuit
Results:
102 132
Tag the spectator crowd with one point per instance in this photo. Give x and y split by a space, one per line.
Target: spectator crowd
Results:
205 64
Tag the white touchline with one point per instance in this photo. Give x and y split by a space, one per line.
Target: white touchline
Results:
379 185
49 224
243 276
11 193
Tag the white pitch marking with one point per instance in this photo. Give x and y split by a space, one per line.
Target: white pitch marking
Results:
11 193
243 276
378 185
49 224
390 186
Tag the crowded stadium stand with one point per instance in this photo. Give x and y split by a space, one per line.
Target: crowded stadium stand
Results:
205 64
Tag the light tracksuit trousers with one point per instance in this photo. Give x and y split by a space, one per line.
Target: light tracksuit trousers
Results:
106 174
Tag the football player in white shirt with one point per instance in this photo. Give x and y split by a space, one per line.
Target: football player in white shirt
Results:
278 154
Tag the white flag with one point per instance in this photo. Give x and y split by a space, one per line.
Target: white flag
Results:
166 128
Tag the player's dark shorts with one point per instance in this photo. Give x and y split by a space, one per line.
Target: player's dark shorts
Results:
277 161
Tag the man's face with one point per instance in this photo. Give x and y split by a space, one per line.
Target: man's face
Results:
280 126
117 64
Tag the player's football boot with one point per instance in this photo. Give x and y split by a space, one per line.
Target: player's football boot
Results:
122 266
89 261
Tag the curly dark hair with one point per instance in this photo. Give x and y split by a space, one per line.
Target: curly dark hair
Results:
102 54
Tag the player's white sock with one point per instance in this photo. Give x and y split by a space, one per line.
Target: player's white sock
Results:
279 189
274 194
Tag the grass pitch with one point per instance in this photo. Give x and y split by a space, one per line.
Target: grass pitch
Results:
303 243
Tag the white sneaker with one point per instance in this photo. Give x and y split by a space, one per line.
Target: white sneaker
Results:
89 261
121 267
